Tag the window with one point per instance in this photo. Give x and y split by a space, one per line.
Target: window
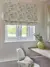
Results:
19 33
24 31
48 33
11 30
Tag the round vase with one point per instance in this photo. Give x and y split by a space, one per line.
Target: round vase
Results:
40 45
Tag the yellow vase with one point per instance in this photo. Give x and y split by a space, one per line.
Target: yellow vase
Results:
41 45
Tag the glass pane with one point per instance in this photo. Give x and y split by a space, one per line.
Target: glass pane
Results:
24 31
33 32
11 30
33 29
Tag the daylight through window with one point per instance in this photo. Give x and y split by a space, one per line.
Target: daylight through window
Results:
19 33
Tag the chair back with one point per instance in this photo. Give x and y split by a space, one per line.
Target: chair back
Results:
20 54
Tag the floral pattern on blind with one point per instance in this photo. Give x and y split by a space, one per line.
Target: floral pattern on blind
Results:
20 12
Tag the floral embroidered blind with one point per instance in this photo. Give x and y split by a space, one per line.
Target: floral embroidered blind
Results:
20 13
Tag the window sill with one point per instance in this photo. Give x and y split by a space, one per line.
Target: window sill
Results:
20 41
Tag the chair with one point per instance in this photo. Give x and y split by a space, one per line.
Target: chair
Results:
22 60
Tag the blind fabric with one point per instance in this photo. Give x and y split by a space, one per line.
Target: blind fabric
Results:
20 13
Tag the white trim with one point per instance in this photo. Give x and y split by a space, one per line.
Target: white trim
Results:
20 41
8 59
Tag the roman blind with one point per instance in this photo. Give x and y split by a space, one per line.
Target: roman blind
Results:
20 13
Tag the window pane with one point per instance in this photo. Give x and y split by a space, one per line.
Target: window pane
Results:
11 30
24 31
33 32
33 29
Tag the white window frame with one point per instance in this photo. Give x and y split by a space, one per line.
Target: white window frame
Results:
19 38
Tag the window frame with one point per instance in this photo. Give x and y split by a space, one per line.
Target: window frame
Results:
19 38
